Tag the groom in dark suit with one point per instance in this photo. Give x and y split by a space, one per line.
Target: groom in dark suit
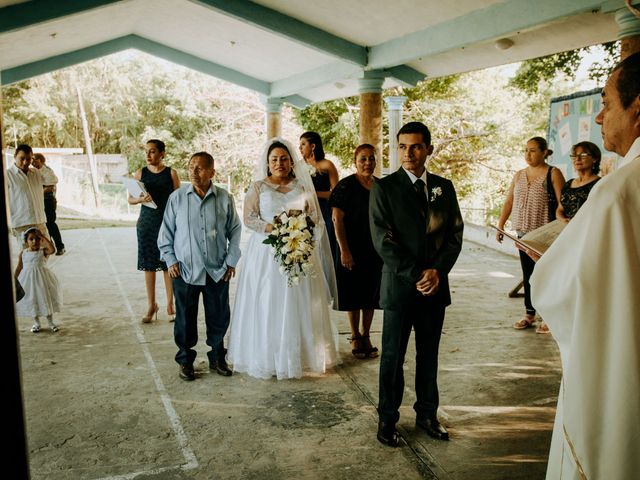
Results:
417 231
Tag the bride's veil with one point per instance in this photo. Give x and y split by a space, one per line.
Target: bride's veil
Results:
302 173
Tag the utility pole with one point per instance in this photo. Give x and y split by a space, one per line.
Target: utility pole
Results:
92 159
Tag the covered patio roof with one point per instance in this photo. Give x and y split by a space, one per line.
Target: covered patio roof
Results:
300 51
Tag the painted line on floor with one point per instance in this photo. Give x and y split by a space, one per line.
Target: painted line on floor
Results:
174 419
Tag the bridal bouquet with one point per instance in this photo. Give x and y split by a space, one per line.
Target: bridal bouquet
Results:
292 243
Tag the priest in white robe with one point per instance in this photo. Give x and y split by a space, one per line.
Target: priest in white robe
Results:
587 288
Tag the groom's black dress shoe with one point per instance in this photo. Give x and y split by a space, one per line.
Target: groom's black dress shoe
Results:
387 434
186 372
433 427
221 368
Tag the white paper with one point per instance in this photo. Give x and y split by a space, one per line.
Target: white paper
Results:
136 190
584 129
565 138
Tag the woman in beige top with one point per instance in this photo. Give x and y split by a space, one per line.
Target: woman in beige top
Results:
528 200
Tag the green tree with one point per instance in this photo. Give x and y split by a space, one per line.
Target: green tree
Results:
131 97
533 74
337 122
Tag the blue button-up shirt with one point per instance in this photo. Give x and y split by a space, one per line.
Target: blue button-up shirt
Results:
201 234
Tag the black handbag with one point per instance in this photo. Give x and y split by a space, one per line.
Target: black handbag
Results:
553 201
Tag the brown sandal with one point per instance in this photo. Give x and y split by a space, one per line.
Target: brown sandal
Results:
543 328
356 347
524 322
369 350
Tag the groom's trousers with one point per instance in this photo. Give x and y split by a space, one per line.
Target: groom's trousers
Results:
217 315
427 323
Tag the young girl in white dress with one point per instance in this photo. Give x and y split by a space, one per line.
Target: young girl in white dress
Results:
276 329
43 296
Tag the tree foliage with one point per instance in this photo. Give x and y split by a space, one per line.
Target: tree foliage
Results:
337 122
533 74
477 123
131 97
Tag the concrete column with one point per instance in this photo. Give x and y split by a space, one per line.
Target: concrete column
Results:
273 117
370 88
394 115
629 32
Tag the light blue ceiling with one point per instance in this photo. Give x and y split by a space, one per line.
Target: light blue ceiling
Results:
311 53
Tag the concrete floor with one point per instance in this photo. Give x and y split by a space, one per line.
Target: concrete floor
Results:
103 398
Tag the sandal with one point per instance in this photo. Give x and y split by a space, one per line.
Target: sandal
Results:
356 347
369 350
543 328
524 322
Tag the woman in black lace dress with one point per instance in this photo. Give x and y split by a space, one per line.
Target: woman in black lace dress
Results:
358 266
324 175
159 181
586 162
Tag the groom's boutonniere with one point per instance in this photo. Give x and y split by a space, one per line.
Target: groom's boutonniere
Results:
435 193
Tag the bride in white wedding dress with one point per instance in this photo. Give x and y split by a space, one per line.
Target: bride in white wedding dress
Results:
277 330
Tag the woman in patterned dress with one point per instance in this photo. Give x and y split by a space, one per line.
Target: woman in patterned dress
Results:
159 181
528 200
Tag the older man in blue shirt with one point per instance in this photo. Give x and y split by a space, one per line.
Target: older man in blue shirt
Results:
200 242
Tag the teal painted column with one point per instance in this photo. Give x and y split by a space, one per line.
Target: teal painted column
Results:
370 89
629 32
394 116
273 117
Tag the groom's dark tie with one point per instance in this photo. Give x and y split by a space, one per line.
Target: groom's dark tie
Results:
422 196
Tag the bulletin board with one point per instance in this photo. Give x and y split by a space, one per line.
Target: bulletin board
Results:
572 120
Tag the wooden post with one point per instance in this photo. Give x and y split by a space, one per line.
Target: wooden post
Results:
370 88
273 117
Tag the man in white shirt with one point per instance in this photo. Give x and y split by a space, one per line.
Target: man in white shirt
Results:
26 197
49 182
586 288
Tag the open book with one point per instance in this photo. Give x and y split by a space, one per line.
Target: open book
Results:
136 189
540 239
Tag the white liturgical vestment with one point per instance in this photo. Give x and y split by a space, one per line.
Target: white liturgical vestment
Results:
587 289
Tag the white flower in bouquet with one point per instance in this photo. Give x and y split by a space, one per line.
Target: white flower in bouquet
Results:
296 224
283 217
